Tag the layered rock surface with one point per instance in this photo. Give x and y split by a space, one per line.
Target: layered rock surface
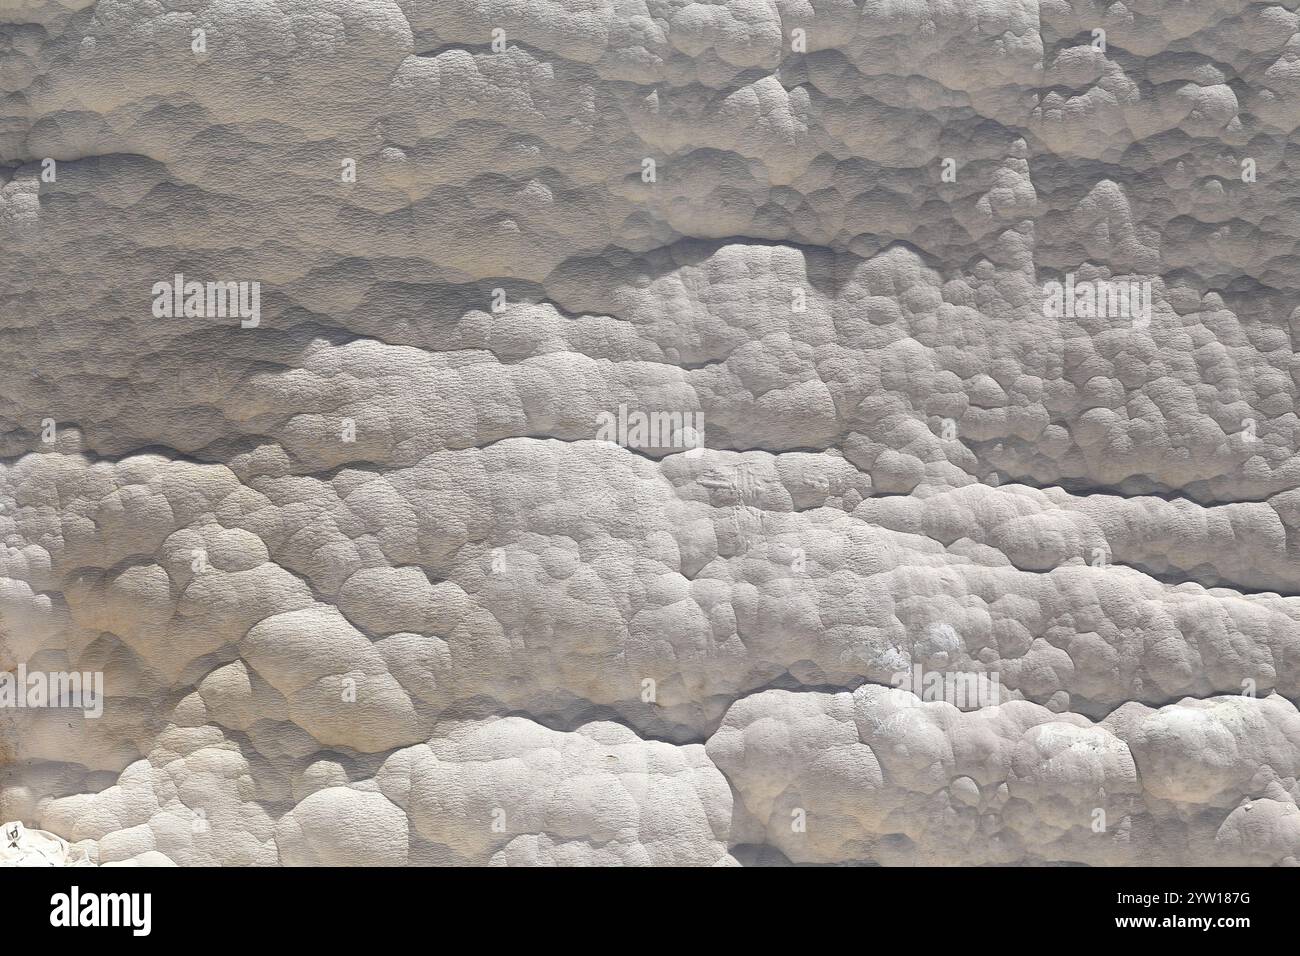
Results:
367 582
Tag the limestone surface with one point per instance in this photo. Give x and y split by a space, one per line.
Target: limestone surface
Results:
650 432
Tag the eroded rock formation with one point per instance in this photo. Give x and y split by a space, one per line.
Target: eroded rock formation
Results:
386 570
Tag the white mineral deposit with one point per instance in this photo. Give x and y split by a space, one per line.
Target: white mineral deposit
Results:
652 432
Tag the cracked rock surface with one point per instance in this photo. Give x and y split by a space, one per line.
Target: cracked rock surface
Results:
387 574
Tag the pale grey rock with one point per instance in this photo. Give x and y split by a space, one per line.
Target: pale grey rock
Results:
363 575
878 776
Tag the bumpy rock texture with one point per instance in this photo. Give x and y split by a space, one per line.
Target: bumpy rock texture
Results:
366 585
